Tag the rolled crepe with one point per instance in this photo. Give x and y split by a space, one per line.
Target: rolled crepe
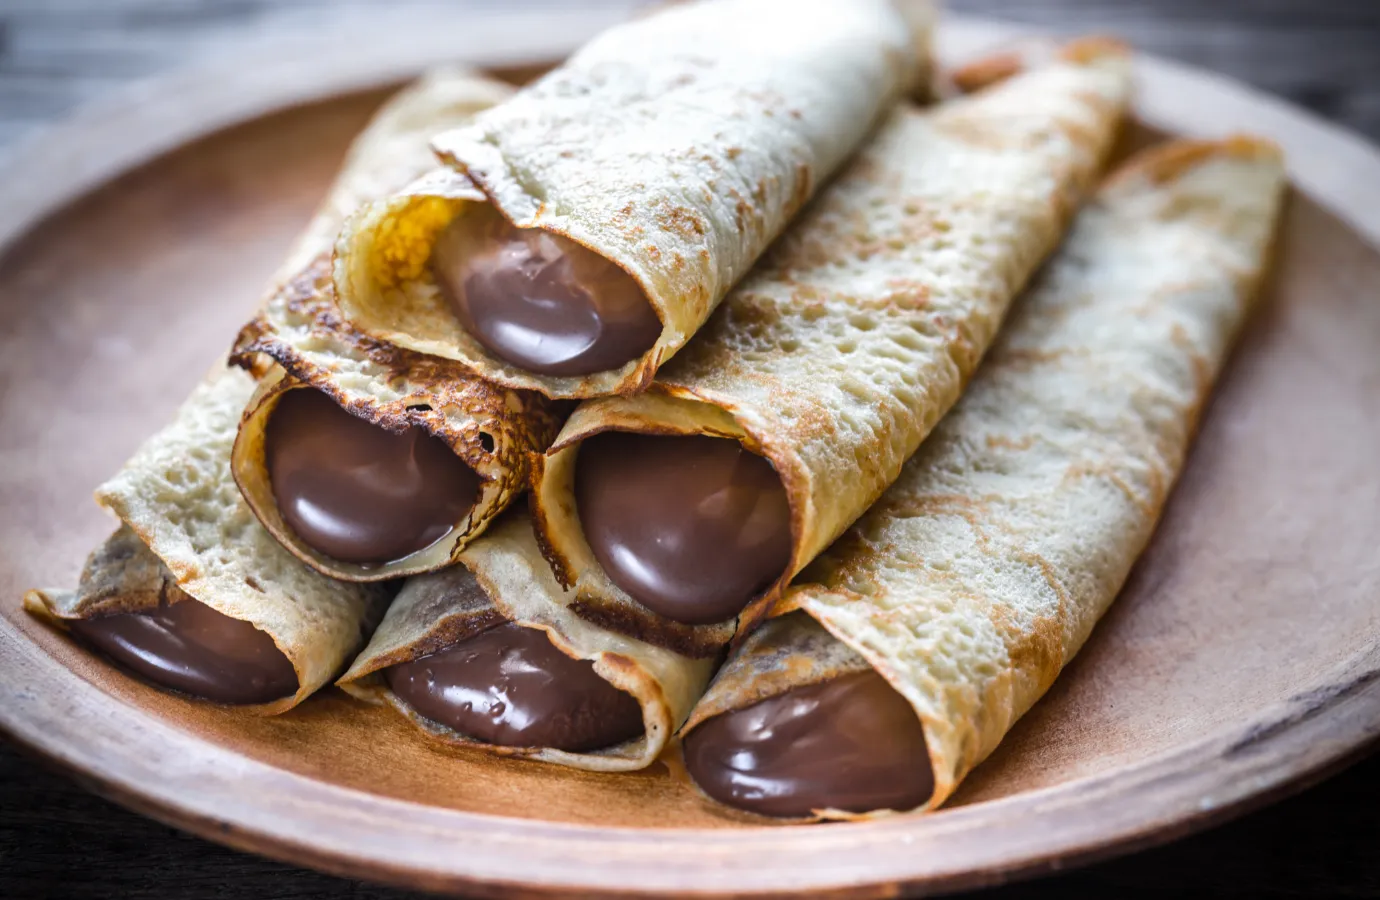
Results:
983 569
299 341
676 146
186 536
440 609
187 533
835 358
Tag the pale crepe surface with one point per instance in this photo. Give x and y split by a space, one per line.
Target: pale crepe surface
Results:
439 609
860 328
677 145
983 569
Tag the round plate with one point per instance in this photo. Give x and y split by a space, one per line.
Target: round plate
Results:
1240 662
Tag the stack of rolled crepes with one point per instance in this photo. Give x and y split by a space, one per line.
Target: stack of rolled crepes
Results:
769 277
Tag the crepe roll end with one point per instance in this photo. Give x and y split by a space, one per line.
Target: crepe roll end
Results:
439 270
693 527
850 744
510 686
357 499
357 492
186 646
540 301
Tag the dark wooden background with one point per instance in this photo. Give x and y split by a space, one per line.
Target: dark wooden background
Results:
58 841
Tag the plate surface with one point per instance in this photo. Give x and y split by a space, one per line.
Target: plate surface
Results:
1242 660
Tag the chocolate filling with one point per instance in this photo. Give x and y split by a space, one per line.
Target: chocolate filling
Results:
512 687
357 492
189 647
541 301
693 527
852 744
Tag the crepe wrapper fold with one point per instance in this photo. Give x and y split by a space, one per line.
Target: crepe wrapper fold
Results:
859 329
300 340
514 583
186 531
983 569
678 146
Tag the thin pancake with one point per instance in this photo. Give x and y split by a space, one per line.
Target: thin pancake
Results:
186 525
983 569
185 522
678 146
836 357
430 614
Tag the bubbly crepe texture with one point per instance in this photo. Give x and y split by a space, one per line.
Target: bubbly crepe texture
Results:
299 339
678 146
859 329
184 523
430 615
983 569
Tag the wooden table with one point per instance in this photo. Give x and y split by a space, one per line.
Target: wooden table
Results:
56 840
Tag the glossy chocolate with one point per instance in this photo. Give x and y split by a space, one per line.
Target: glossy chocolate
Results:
189 647
852 743
692 526
541 301
356 492
510 686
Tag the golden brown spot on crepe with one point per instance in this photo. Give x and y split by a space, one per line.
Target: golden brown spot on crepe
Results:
1171 160
742 212
1202 373
1002 442
1089 49
804 186
987 71
811 420
1085 469
1037 645
683 221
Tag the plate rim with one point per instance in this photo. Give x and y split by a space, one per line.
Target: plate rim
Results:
1284 748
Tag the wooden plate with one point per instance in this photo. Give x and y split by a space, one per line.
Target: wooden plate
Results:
1240 663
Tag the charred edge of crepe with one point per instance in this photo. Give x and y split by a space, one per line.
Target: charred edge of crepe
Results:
310 297
522 423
